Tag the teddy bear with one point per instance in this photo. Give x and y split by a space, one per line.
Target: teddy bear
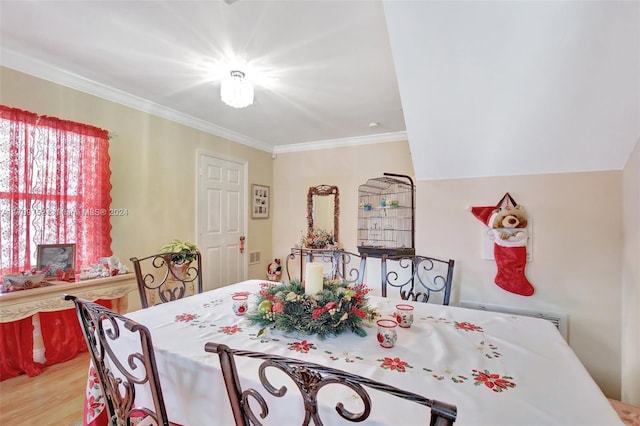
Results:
509 223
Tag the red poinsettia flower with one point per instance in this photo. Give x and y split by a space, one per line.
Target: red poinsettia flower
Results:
230 329
94 405
467 326
302 347
186 317
394 364
94 380
493 381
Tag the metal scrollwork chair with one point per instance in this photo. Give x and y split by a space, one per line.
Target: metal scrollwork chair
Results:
120 375
342 265
165 277
417 278
310 379
351 267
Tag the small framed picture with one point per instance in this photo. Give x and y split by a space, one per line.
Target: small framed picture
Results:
259 202
58 259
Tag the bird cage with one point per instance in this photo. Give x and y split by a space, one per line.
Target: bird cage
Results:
386 222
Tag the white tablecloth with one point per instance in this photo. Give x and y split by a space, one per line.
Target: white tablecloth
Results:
498 369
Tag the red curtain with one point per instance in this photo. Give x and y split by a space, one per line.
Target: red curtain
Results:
62 335
16 349
54 188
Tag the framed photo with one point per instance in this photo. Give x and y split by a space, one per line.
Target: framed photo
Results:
57 257
259 202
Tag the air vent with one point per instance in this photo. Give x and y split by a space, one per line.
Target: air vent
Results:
559 320
254 257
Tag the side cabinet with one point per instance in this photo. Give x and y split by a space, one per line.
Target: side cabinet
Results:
386 222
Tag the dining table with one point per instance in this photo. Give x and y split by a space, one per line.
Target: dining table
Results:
496 368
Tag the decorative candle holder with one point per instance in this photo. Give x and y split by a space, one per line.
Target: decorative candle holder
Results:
387 335
240 303
404 315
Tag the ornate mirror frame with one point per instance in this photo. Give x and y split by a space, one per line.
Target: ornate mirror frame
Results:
324 190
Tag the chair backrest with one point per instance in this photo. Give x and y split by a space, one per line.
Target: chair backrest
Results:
310 379
417 278
342 265
351 267
165 277
120 374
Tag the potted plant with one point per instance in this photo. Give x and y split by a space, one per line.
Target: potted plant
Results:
183 253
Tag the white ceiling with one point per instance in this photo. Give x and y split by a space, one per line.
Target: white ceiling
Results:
486 88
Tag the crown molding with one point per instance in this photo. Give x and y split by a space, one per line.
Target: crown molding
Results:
342 142
29 65
24 63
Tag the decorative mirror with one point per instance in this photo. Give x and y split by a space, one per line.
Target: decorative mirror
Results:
323 209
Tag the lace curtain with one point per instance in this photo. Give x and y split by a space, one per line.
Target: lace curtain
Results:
54 188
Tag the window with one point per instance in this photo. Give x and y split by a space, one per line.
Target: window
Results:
54 188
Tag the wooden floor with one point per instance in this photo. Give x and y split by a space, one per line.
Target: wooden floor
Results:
54 398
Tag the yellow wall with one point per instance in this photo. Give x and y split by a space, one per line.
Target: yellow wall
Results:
577 237
153 167
345 167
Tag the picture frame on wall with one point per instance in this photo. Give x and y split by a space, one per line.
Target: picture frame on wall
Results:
58 259
259 202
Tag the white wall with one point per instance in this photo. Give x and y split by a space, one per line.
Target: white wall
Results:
577 237
577 253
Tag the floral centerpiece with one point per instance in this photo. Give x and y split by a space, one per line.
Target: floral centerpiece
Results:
318 238
334 310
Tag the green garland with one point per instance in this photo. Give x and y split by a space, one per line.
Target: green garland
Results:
334 310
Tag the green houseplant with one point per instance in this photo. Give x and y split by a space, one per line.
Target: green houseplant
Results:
183 254
185 251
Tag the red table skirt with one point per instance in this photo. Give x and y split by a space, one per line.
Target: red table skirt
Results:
61 335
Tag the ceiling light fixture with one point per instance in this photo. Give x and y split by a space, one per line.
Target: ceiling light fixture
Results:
236 91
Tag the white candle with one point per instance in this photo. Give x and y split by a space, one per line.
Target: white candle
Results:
314 276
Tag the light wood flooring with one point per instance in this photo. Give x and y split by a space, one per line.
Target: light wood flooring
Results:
54 398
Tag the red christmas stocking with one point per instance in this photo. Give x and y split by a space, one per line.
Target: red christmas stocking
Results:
510 244
511 261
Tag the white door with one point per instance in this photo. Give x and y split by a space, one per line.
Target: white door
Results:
221 219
